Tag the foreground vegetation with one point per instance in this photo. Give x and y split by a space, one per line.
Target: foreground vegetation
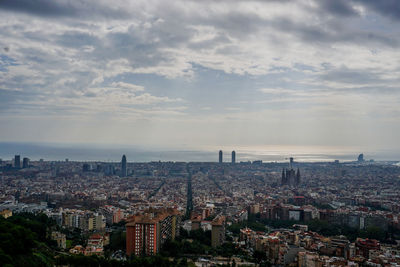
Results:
94 261
24 240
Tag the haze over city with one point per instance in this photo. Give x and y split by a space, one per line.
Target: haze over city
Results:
202 75
199 133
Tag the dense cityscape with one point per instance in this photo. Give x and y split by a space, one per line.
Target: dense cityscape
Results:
212 213
199 133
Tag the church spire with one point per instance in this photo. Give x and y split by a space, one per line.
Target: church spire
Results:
298 176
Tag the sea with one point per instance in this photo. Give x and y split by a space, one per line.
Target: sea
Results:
113 153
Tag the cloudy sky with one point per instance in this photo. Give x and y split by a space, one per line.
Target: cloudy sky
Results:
210 73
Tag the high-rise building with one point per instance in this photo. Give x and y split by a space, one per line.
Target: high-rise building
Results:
86 167
233 156
218 231
17 161
220 156
360 158
124 171
109 169
146 233
25 163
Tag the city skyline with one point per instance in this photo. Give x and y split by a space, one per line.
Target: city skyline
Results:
199 133
213 74
112 153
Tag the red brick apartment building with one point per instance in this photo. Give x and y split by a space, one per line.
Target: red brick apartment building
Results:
146 233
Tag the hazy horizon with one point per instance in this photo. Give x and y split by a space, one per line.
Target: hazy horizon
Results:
113 153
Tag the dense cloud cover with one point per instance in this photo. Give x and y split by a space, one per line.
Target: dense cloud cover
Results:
230 72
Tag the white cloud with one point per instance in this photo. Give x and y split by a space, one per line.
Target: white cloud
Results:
145 59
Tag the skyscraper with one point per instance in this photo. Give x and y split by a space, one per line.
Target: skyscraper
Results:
233 156
17 161
25 163
220 156
360 158
86 167
124 172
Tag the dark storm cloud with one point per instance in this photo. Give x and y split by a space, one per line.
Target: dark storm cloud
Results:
62 8
332 32
389 8
344 8
337 7
237 24
38 7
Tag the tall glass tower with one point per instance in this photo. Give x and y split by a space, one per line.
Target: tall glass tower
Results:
17 161
124 171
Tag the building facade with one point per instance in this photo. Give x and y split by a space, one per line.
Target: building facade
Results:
124 171
218 231
145 234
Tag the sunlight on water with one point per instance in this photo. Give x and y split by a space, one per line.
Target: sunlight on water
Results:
209 154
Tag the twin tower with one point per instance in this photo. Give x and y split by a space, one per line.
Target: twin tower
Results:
233 156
